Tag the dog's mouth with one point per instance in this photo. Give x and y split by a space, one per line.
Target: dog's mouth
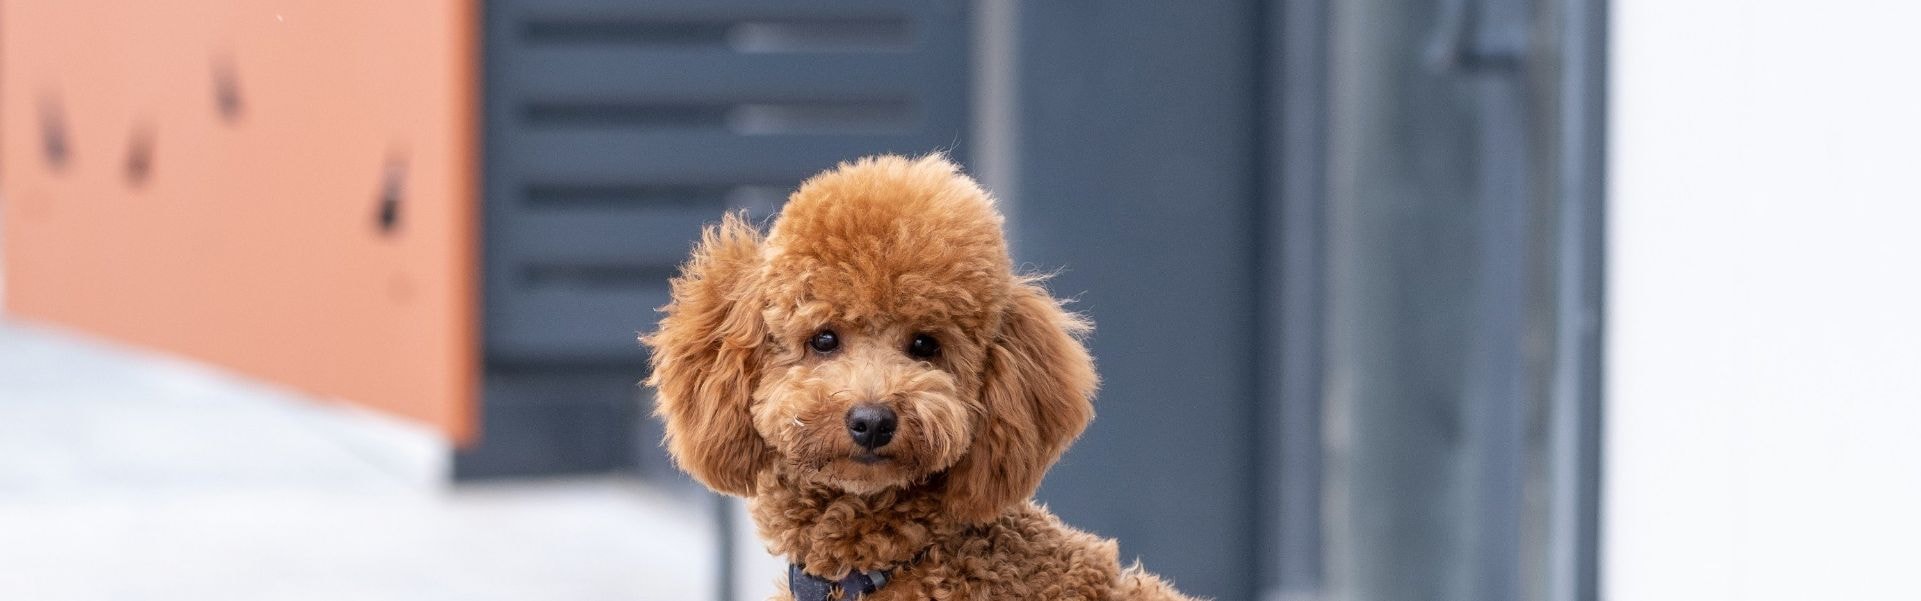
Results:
864 472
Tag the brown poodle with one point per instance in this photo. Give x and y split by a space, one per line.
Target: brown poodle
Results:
884 389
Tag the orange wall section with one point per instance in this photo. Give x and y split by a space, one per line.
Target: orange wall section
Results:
252 239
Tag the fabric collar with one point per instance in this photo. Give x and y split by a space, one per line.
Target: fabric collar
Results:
857 584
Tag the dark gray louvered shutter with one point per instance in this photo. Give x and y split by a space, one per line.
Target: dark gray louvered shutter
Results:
614 130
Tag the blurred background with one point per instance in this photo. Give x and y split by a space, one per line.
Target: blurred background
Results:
1396 299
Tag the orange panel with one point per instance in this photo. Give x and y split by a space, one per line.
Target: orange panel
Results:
220 193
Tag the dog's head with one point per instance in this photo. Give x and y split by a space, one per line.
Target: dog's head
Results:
877 337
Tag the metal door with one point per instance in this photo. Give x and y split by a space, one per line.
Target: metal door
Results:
1460 232
1339 256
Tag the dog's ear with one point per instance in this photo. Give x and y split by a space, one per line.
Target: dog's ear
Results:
705 357
1038 395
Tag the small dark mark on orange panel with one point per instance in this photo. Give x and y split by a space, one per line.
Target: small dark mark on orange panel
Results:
53 134
392 193
226 89
139 165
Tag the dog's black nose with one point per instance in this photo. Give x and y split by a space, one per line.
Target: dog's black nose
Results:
870 425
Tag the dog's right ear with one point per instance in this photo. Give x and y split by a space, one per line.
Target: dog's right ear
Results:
705 357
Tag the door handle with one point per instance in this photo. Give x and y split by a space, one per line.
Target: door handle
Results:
1462 43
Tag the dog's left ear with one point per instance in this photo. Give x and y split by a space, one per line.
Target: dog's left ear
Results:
1038 395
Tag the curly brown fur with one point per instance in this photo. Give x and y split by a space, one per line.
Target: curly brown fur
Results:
880 251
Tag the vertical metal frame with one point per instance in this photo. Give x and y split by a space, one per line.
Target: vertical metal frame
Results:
1292 292
1499 368
1575 510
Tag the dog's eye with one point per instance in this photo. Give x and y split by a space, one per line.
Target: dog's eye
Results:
824 342
923 346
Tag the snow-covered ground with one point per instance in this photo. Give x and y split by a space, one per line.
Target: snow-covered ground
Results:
127 475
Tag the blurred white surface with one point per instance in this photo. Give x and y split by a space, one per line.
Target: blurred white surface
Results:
1764 310
757 573
127 476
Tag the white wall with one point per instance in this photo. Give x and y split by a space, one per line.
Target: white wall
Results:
1764 387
